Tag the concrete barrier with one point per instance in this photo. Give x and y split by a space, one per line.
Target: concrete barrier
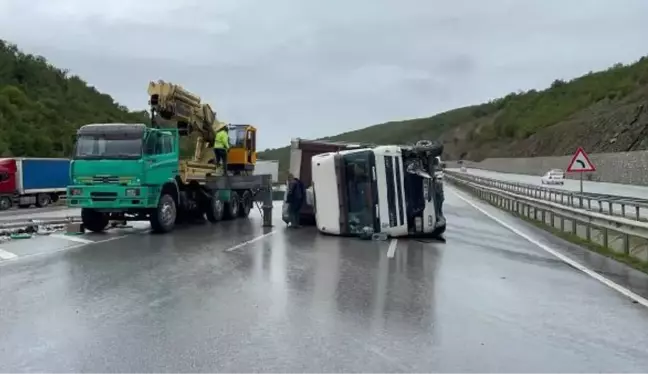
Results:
626 167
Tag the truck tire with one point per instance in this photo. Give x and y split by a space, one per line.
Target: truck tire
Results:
435 148
233 206
215 210
93 220
246 204
438 231
43 200
163 217
5 203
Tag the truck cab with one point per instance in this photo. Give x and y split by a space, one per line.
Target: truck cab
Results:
379 189
115 165
122 168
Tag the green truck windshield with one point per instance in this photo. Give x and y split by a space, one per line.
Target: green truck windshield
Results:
97 147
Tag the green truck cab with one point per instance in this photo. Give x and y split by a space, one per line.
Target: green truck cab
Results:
133 172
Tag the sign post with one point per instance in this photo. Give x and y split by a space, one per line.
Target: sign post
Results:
580 163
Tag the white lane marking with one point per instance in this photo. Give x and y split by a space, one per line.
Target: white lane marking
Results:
392 248
250 241
71 238
617 287
6 255
72 247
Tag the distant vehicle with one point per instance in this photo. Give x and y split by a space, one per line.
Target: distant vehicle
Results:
554 176
462 166
26 181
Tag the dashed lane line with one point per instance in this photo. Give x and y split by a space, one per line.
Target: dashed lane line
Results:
6 255
71 238
260 237
391 251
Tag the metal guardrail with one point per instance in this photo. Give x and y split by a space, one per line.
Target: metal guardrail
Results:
620 234
613 205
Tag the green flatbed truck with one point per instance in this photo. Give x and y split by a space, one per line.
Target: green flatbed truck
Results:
134 172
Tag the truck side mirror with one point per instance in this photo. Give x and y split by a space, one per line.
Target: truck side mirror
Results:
443 165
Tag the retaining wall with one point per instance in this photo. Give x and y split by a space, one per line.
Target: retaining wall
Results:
626 168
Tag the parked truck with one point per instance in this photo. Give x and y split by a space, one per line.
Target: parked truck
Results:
355 188
28 181
127 172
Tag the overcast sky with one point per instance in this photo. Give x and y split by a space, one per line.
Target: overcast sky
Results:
312 68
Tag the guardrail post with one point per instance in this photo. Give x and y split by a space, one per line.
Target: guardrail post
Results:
610 208
588 232
623 210
606 242
267 202
626 244
600 204
637 213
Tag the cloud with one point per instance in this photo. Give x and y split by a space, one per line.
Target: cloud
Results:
316 68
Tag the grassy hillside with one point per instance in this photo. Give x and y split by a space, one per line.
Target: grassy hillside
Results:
605 111
42 106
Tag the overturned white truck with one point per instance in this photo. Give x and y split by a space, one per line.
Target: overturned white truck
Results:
358 188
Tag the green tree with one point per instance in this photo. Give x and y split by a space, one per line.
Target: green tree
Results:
41 106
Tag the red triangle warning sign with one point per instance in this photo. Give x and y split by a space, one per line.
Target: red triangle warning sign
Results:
580 162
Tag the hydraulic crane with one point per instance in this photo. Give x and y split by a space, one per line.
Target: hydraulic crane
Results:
173 105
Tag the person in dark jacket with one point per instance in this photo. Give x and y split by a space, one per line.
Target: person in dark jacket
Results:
296 196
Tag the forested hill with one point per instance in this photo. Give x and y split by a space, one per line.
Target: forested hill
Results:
41 106
605 111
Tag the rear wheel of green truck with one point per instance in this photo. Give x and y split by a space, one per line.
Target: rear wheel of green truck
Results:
233 206
246 204
93 220
215 210
164 216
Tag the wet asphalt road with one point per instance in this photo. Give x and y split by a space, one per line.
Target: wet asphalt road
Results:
199 301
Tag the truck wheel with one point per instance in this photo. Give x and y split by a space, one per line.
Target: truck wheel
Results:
5 203
164 216
215 210
43 200
246 204
438 231
93 220
232 206
435 148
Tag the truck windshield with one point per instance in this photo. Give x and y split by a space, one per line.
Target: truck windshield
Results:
98 147
359 188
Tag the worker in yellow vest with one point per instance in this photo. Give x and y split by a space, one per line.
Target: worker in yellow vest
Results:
221 146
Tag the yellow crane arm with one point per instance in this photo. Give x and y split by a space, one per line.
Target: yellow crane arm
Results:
174 104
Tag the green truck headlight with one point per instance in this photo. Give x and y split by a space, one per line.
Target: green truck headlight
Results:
75 191
132 192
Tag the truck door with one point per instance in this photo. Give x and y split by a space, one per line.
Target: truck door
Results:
161 159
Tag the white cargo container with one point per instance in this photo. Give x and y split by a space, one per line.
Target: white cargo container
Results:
264 167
